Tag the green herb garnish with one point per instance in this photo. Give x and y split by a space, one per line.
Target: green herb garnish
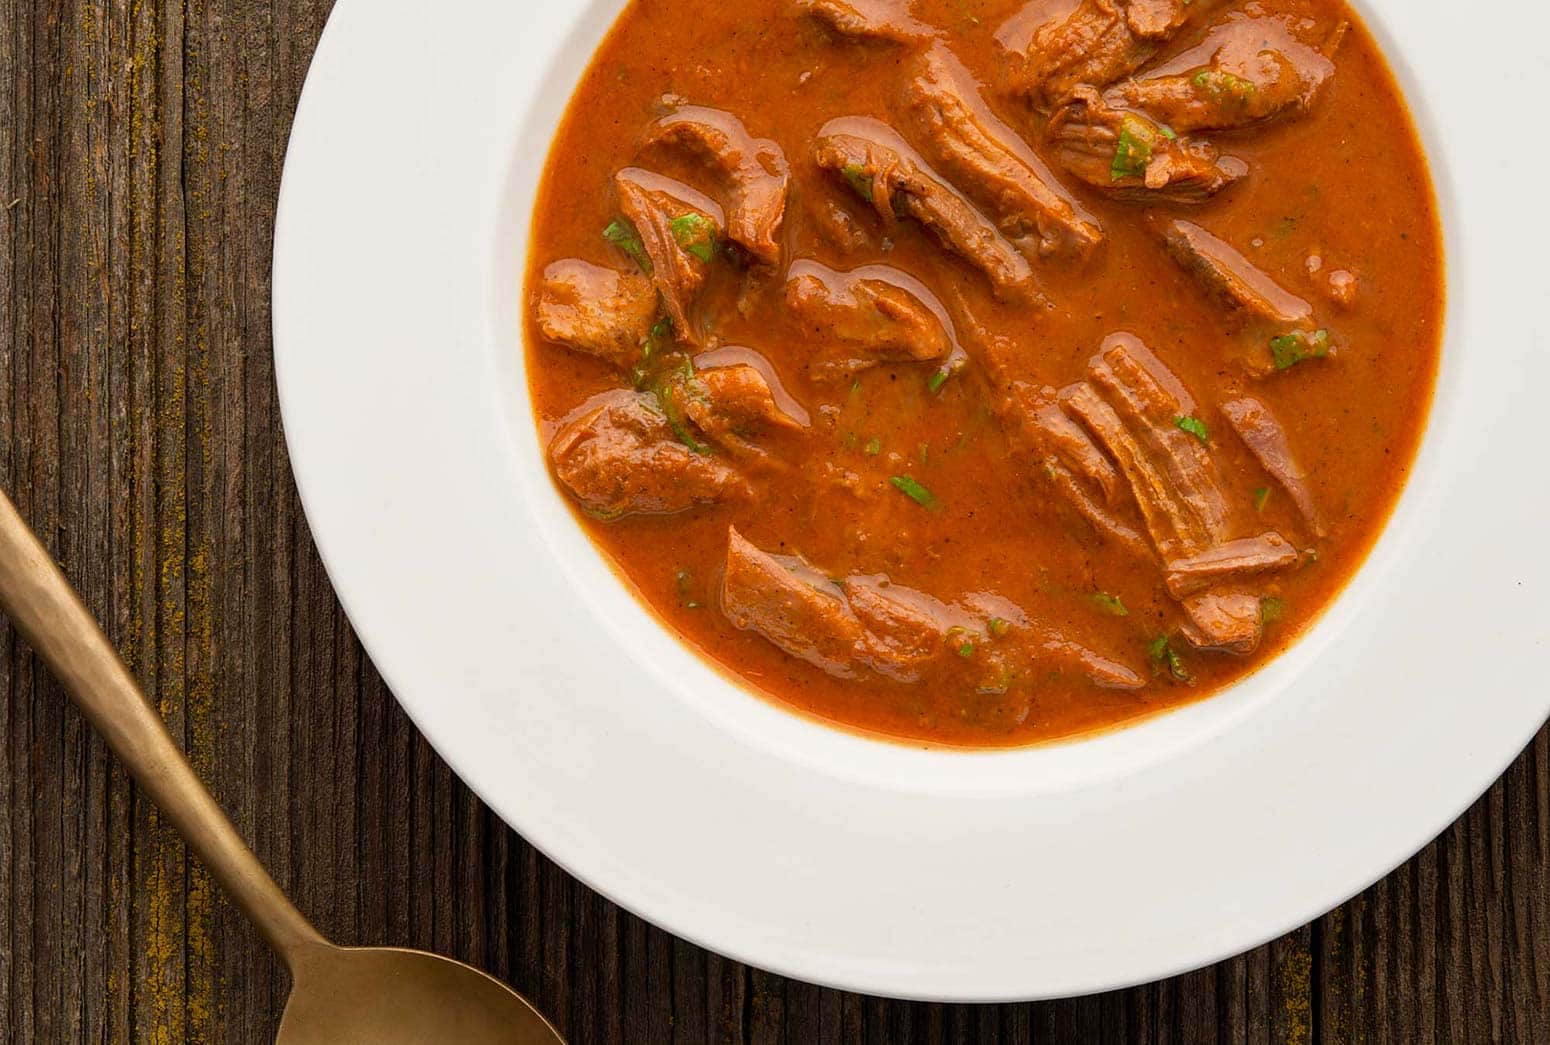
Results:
696 234
961 639
622 234
999 626
874 447
937 379
658 340
857 178
680 380
1133 149
914 491
1271 609
1110 604
1290 349
1164 658
1261 495
1194 426
1224 86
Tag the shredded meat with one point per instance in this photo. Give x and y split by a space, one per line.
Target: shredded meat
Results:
1232 561
619 455
675 224
1231 278
860 319
596 310
1248 71
1128 156
752 172
1113 446
729 404
1076 449
1229 622
988 161
838 227
1094 42
885 20
1264 435
792 605
891 176
867 624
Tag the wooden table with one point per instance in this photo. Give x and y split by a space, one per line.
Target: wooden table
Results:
141 144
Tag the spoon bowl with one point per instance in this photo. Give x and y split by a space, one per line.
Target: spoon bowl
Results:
388 996
341 996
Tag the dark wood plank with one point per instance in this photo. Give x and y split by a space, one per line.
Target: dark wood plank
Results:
141 143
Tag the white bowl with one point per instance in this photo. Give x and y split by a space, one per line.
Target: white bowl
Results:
877 867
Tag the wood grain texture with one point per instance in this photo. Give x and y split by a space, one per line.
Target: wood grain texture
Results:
141 144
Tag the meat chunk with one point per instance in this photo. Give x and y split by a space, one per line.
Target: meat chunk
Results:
1128 156
1065 438
596 310
1051 447
1231 278
990 163
1232 561
1065 45
1228 622
619 455
792 605
885 20
1264 435
752 172
1248 71
839 227
868 625
906 629
887 173
733 403
862 318
1115 445
679 228
1132 414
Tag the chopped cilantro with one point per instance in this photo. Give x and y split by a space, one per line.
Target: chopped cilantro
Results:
914 491
1261 495
1194 426
680 380
658 340
622 234
696 234
937 379
856 176
1164 658
961 639
1224 86
1110 604
1290 349
999 626
874 446
1133 148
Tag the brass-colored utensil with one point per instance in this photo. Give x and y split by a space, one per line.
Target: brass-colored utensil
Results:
338 995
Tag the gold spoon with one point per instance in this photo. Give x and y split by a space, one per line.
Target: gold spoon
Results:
338 995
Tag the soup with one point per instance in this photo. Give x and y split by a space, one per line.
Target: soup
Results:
985 373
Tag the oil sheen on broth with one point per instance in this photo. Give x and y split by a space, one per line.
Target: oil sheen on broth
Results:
982 373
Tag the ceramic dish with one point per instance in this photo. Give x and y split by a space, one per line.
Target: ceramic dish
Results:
877 867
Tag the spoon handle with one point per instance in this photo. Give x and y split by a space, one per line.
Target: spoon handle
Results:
47 611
